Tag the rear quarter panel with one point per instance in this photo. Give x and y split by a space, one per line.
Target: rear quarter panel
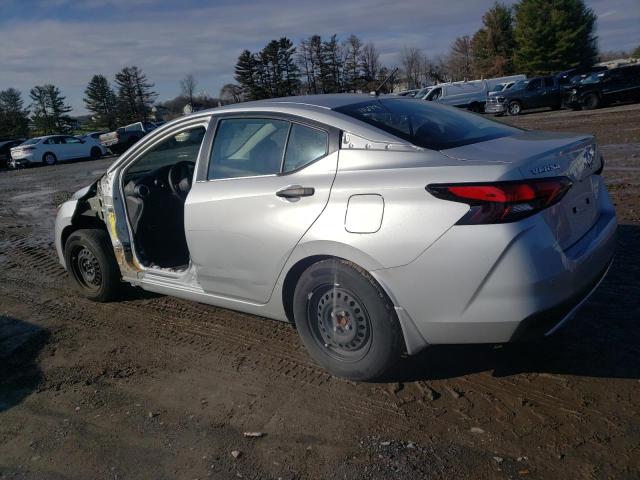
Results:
412 218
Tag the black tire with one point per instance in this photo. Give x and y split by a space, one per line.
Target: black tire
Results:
557 106
591 101
477 108
92 264
346 321
514 108
96 153
49 158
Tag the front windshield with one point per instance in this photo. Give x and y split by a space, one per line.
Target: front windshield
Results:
594 77
520 84
498 88
427 124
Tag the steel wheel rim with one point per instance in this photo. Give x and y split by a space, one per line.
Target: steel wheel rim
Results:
86 268
48 159
339 323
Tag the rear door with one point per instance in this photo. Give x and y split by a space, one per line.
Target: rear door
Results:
55 144
262 184
551 95
74 148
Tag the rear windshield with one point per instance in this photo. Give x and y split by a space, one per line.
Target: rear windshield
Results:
31 141
427 124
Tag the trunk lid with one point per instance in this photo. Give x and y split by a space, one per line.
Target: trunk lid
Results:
539 155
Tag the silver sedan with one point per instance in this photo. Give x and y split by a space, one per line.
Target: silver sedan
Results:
377 225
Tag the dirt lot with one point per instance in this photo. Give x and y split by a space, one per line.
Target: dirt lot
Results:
155 387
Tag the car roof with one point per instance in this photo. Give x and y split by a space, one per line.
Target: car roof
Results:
327 101
320 108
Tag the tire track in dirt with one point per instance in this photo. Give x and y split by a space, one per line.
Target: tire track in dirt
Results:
272 346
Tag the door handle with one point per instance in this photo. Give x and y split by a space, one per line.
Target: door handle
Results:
295 191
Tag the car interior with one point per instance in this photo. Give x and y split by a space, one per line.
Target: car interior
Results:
155 187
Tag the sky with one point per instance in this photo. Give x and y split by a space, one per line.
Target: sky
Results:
65 42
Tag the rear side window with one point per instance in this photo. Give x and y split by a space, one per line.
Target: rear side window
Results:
427 124
305 145
246 147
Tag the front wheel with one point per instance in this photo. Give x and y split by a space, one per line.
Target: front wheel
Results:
49 159
96 153
514 108
591 101
346 321
92 264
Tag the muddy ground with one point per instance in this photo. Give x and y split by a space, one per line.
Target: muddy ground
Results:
155 387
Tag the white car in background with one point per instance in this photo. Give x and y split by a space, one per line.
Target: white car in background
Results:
51 149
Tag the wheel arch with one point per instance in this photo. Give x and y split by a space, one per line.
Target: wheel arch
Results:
413 340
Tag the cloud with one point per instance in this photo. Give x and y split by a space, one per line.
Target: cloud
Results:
65 42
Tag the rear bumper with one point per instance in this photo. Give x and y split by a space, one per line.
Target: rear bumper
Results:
496 283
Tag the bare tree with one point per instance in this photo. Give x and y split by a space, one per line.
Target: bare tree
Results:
231 93
188 86
370 64
460 61
411 61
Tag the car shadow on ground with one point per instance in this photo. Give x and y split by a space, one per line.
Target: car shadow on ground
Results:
602 340
20 344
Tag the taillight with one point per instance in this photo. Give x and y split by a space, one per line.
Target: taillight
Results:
502 202
26 149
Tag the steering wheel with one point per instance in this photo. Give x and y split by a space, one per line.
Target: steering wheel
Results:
179 178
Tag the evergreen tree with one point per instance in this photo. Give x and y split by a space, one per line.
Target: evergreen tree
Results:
353 47
49 110
288 67
101 100
14 118
246 74
135 95
331 65
554 35
493 45
636 52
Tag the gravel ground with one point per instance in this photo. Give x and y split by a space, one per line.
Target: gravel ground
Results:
156 387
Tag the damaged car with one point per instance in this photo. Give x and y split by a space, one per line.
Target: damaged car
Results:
376 225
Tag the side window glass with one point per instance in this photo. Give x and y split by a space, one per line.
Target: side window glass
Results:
182 146
246 147
71 140
305 146
535 84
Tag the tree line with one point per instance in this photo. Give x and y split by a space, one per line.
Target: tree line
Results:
534 37
131 100
315 66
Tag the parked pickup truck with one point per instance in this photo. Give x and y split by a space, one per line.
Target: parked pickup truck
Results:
120 140
536 92
602 88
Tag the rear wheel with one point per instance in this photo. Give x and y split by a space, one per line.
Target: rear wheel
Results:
514 108
96 153
591 101
49 159
92 265
346 321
